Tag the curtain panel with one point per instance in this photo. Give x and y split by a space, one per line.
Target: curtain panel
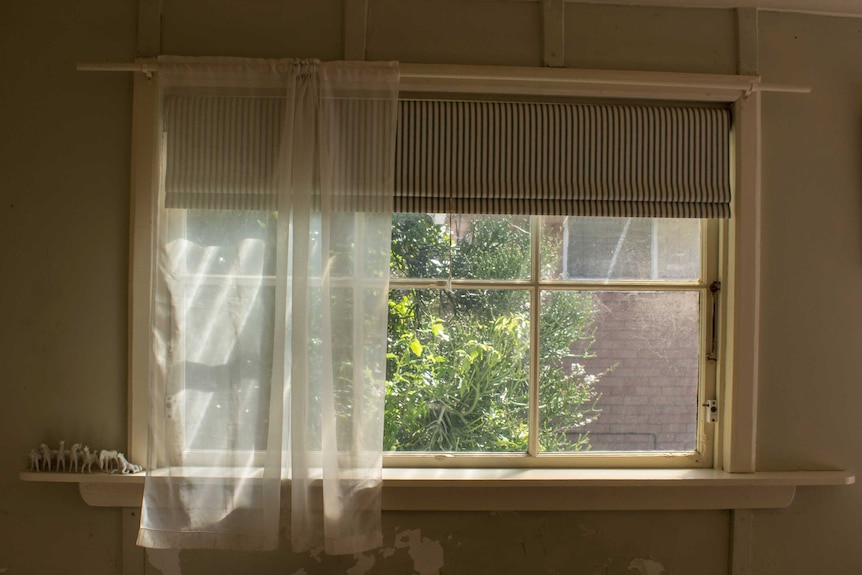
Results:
270 303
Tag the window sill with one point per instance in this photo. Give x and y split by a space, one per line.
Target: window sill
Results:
532 489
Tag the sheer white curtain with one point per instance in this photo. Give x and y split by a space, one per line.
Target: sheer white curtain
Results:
270 303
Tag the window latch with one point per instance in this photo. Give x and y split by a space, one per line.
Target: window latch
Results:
711 406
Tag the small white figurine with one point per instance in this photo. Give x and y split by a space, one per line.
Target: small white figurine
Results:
126 467
46 457
61 456
106 458
74 454
89 460
35 460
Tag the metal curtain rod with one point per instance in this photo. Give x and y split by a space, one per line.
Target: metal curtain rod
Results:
427 76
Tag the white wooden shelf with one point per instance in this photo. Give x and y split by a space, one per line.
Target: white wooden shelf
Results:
532 489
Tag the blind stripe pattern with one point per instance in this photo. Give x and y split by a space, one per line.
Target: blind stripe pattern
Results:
563 159
359 159
221 153
467 157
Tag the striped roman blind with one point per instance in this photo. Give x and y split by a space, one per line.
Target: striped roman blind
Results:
563 159
470 157
221 152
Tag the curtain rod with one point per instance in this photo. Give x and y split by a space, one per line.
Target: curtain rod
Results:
460 78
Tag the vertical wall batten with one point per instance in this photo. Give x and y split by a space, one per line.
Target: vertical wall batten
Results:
553 33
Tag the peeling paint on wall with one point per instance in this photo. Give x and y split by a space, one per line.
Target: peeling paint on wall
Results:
363 564
647 566
427 555
165 560
316 553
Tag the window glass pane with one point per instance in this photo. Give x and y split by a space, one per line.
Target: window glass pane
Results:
457 370
481 247
222 263
228 365
235 242
420 246
640 360
567 389
491 247
584 248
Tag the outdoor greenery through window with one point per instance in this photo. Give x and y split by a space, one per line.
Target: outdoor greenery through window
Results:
543 334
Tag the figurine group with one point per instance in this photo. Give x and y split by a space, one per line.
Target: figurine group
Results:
109 461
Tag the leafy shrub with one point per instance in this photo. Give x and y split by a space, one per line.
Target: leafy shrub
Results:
458 366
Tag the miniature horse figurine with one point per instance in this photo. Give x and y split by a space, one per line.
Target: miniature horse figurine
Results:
89 460
46 457
61 456
74 454
106 458
35 460
125 466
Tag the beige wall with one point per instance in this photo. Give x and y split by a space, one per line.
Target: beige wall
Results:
64 173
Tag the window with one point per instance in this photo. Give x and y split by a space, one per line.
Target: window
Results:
621 304
553 336
653 265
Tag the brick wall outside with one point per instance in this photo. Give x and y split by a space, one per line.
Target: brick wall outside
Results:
647 342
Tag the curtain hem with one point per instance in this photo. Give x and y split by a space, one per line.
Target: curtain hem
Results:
159 539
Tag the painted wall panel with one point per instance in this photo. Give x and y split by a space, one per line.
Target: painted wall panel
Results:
470 543
64 160
64 179
812 269
455 32
643 38
253 28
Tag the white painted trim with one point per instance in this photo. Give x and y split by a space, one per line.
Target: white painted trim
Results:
840 8
531 489
517 80
144 183
837 8
742 312
496 477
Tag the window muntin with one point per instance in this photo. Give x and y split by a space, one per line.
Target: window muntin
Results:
652 319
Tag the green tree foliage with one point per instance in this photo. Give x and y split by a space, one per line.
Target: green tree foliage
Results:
458 363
